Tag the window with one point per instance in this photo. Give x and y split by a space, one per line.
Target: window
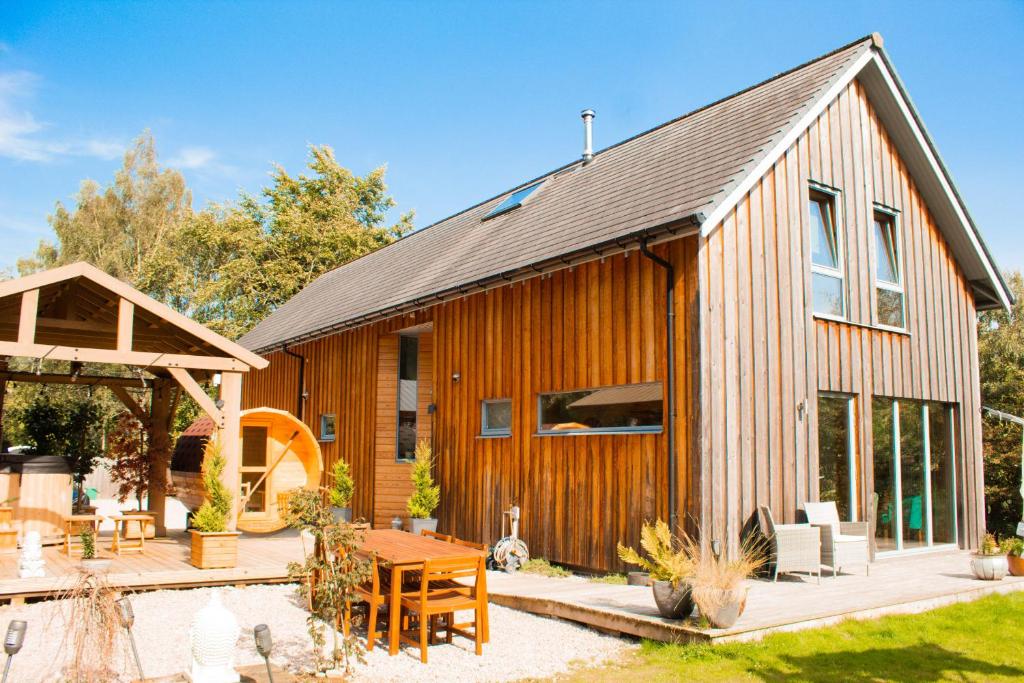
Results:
914 473
327 422
408 389
626 408
496 417
837 467
514 201
254 468
829 297
888 272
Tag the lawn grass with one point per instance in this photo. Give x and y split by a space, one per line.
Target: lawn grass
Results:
975 641
539 565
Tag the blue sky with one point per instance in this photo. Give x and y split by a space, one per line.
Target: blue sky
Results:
460 100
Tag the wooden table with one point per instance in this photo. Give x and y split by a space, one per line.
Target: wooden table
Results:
121 542
73 527
407 552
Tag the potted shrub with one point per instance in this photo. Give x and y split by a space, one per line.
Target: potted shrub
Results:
341 491
670 569
719 581
426 495
213 546
1014 548
90 562
989 563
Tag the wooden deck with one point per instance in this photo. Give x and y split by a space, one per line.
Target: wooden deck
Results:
899 585
165 564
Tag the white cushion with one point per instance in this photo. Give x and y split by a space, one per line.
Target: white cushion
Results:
846 538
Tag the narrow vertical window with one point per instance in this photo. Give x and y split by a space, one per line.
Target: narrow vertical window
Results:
888 272
829 295
408 392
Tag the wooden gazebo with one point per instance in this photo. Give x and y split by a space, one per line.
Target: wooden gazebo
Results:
79 314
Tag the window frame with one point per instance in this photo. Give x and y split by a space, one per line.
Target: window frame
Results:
324 417
399 459
504 206
602 430
852 457
832 195
493 432
894 216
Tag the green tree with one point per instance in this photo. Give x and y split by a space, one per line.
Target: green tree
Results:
1001 364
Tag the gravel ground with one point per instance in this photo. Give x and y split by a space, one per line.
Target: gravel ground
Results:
522 645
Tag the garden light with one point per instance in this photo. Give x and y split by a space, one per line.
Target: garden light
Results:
127 617
13 641
264 643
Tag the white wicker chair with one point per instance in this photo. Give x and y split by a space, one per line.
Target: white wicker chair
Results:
842 543
794 547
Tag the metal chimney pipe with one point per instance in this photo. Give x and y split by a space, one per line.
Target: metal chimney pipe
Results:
588 135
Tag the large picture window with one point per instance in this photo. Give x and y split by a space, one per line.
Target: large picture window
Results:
889 295
837 464
625 408
829 292
914 473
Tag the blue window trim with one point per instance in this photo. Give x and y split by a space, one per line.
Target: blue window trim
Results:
323 422
492 431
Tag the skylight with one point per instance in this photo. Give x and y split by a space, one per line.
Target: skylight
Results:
514 201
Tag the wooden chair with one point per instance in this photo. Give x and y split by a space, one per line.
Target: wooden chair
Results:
372 594
436 596
433 534
470 544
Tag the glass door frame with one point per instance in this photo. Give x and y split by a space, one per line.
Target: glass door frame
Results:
897 475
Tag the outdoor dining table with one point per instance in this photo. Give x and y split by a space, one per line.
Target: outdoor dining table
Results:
403 552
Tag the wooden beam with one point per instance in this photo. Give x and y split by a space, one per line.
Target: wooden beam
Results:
159 453
133 407
125 320
231 439
84 380
143 359
189 384
27 321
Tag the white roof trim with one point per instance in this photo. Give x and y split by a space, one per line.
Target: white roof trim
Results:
875 58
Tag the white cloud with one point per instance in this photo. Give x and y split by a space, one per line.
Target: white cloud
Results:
24 138
192 158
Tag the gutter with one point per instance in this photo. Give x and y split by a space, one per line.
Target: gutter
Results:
299 403
670 372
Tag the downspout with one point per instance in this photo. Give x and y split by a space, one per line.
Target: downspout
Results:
670 371
299 403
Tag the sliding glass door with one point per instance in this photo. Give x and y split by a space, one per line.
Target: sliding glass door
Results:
913 473
837 464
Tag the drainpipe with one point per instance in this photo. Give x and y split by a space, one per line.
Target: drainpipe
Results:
670 371
299 403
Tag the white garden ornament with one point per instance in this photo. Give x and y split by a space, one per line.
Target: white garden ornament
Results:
31 563
212 638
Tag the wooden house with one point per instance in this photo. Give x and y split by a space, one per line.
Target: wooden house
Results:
766 301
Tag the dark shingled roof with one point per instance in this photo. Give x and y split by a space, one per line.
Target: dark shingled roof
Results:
669 175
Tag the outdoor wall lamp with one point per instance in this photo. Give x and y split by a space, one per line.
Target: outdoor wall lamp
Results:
264 643
127 617
456 377
13 641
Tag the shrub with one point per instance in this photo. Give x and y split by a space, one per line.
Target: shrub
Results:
88 538
212 515
343 487
663 561
426 495
989 546
1013 545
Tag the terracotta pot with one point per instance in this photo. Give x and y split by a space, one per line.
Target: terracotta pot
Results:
989 567
673 603
1016 565
725 606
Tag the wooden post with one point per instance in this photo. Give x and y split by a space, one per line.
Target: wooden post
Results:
159 451
231 441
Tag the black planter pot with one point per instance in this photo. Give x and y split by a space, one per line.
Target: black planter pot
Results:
673 603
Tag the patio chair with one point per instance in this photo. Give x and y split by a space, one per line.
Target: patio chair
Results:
842 543
794 547
470 544
433 534
437 597
371 594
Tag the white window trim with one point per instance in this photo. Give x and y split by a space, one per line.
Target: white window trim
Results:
900 266
493 431
837 273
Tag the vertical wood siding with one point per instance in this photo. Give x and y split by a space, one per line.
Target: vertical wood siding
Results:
597 324
764 355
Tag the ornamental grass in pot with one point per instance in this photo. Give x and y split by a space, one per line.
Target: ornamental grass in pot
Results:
670 568
213 546
1014 548
989 563
719 580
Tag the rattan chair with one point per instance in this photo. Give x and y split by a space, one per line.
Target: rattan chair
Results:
842 543
794 547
